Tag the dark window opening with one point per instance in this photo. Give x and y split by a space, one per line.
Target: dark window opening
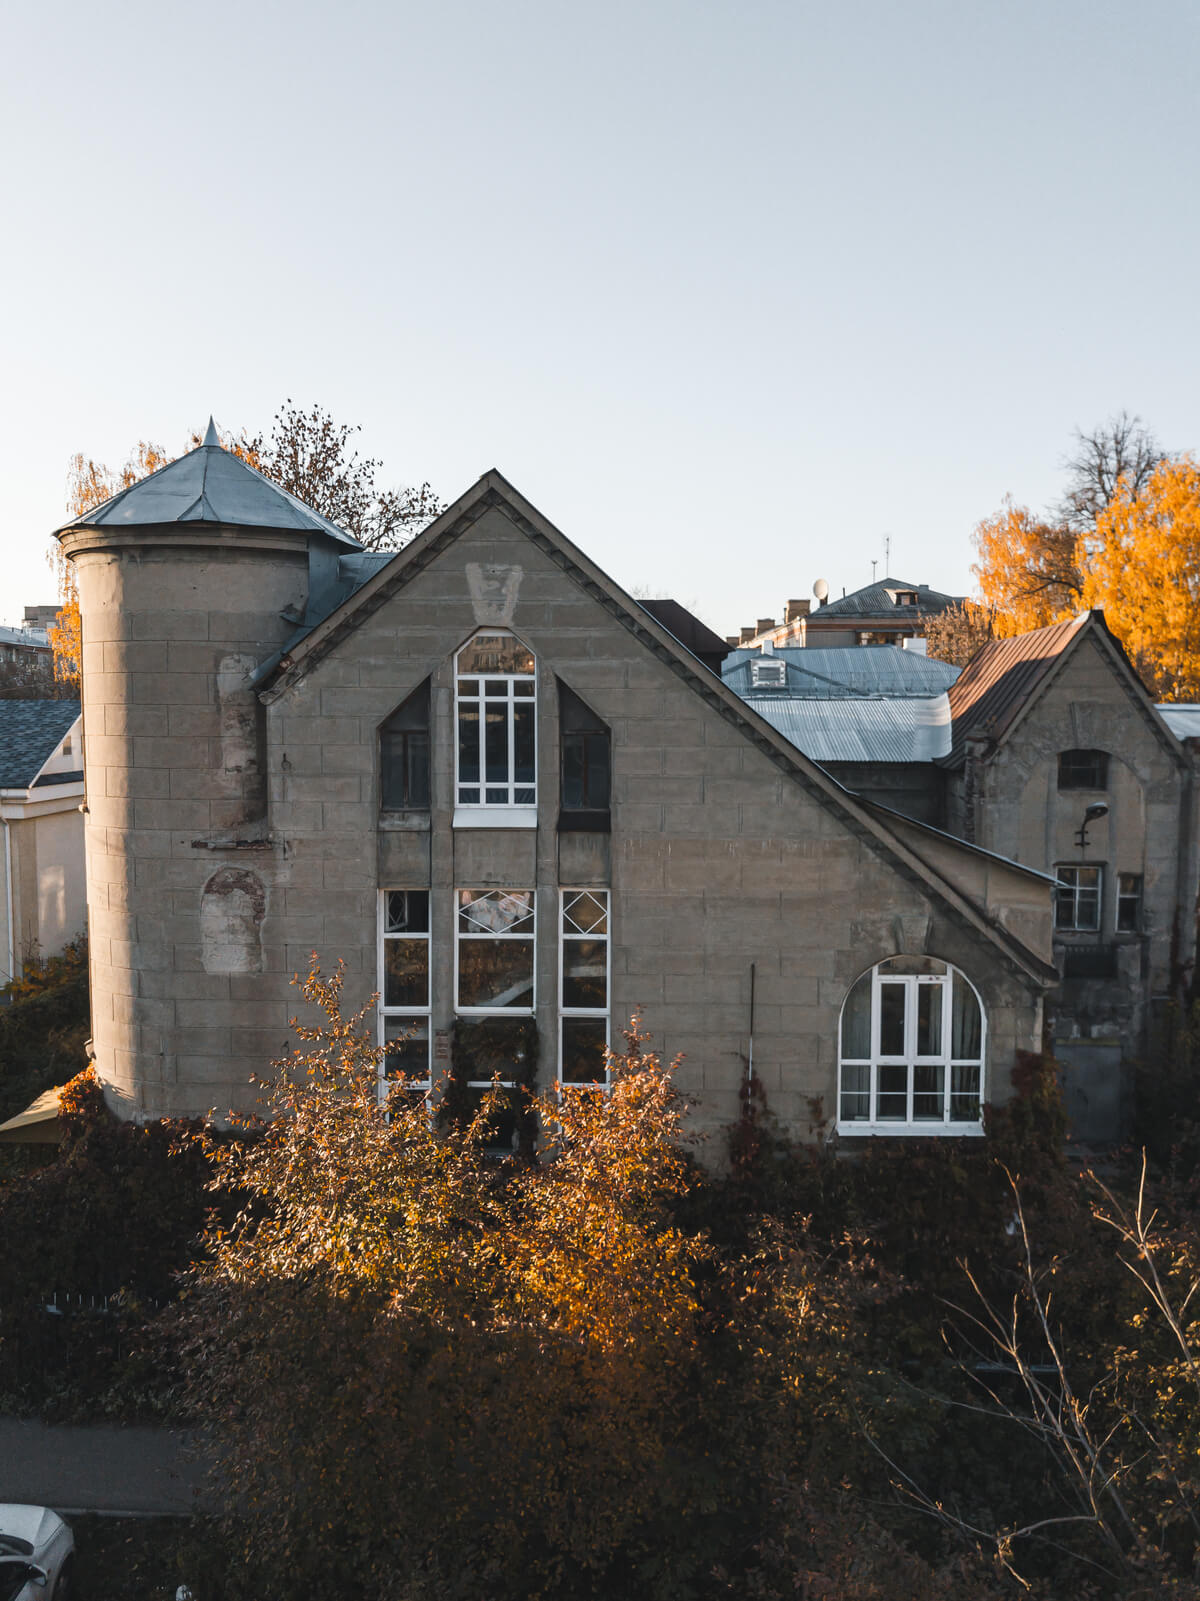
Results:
586 747
404 755
1083 769
1129 903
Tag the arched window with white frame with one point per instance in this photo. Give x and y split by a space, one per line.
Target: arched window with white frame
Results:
495 698
912 1039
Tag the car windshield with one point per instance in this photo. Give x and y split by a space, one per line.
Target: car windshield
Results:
11 1546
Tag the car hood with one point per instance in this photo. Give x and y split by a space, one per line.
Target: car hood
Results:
37 1524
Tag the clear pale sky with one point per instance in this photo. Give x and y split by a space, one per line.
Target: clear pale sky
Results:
729 292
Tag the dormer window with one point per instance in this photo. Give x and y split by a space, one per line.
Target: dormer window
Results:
906 597
770 673
496 712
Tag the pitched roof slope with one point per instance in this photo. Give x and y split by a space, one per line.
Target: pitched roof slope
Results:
879 600
1000 678
209 485
822 672
30 731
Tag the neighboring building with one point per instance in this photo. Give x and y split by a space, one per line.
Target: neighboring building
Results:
877 719
43 901
1060 759
1048 750
41 619
511 800
885 613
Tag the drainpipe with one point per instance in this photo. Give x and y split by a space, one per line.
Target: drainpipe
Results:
750 1050
8 884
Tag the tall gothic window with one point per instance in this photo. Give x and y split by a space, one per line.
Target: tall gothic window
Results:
496 707
585 744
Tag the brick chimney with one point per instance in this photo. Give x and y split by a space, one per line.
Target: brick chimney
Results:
794 610
764 625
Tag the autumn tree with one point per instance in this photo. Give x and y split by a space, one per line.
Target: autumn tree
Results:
1032 569
1145 574
957 633
307 453
433 1373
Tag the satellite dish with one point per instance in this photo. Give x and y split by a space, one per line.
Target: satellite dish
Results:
821 591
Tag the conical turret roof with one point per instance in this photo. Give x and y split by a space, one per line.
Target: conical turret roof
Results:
209 485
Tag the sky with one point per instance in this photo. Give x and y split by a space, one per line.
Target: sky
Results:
731 293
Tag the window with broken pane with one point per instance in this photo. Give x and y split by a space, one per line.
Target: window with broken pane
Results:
404 996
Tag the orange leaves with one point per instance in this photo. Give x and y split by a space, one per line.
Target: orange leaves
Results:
1028 569
1145 575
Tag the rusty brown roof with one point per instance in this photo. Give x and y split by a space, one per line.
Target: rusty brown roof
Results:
1000 678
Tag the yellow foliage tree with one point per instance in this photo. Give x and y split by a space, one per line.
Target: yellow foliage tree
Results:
1028 569
90 483
1144 572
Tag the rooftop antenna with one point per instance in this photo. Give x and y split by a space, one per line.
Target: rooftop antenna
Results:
887 555
874 564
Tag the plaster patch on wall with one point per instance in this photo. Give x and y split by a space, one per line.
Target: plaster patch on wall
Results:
233 904
493 589
239 738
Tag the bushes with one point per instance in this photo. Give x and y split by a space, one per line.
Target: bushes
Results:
112 1217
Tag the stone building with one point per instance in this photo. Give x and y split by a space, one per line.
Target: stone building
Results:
518 807
1060 759
1047 749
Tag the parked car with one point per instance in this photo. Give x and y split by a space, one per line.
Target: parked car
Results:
36 1554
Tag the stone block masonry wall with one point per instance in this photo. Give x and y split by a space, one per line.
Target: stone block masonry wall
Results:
186 959
717 858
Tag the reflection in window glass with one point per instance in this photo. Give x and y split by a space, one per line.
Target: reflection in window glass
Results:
583 986
495 950
403 965
496 716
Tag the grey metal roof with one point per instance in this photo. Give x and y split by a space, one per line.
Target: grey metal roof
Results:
853 670
210 485
30 731
879 600
854 729
1183 721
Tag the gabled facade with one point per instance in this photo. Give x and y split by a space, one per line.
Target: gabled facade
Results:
517 807
1061 760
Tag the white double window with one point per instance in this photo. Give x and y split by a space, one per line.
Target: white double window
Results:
584 986
404 985
495 697
912 1040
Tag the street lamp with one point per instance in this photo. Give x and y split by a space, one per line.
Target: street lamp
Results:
1096 810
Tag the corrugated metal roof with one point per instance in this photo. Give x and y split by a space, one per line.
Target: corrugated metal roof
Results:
1183 721
209 485
879 600
910 729
1000 677
30 731
822 673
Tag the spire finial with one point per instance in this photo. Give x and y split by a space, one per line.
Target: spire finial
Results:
212 437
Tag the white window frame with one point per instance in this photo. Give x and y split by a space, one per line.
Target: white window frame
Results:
768 674
412 1014
1075 927
529 939
567 895
509 812
910 1060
